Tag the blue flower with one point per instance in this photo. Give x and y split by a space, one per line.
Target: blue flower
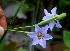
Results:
49 15
40 36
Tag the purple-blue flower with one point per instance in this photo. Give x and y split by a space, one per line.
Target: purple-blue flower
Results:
40 36
49 15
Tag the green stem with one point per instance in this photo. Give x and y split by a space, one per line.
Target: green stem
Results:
61 16
41 23
17 31
14 17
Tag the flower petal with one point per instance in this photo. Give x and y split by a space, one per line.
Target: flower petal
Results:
44 29
51 25
37 28
35 41
47 37
32 35
42 43
46 12
46 17
53 11
58 24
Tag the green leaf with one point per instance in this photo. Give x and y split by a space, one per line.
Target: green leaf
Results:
67 50
2 45
66 38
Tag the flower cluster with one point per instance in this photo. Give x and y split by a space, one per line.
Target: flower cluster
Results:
40 35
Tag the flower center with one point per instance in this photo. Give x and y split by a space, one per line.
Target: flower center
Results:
40 35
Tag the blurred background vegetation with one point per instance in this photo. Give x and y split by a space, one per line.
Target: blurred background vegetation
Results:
30 13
